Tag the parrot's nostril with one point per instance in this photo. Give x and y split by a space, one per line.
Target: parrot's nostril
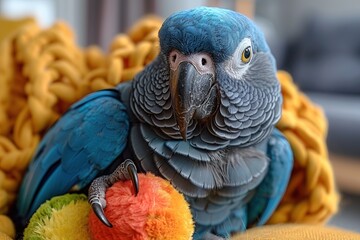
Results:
203 61
173 57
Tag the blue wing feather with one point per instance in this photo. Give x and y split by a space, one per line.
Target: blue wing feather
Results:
270 192
83 142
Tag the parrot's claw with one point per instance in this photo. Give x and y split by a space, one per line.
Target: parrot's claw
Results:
99 212
125 171
131 168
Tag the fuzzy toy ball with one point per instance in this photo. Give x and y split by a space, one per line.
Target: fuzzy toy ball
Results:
159 212
62 217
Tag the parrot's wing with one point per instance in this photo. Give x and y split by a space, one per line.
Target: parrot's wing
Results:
271 190
84 141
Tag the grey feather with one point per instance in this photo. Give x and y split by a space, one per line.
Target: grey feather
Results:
142 152
203 204
155 143
198 173
207 141
243 166
185 149
180 183
205 218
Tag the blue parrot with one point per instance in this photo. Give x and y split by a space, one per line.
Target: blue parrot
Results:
201 115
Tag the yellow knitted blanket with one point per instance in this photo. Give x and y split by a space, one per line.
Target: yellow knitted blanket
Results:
296 232
43 71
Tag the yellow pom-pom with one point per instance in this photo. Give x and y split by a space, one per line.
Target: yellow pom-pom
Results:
63 217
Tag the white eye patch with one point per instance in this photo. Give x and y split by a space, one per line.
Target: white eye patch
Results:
235 66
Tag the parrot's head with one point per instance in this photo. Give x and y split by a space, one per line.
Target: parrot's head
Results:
214 54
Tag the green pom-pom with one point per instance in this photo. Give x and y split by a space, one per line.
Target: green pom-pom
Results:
62 217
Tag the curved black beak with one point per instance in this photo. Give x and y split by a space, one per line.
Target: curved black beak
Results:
193 95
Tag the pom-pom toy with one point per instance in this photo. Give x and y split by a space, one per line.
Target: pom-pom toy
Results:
159 211
62 217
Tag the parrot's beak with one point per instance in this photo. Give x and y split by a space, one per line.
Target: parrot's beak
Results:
193 95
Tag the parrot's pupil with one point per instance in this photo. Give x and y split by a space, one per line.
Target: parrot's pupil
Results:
247 53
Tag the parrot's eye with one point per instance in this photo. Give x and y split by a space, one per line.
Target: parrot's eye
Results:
246 55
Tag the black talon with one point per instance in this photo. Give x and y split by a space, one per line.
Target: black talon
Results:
99 212
134 177
126 171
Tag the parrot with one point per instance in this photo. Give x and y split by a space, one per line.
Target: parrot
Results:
201 115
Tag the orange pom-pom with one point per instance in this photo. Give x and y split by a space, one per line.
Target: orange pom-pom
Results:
159 211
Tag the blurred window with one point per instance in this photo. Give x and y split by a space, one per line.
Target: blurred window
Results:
42 10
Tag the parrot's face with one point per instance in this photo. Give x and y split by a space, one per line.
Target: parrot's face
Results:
215 57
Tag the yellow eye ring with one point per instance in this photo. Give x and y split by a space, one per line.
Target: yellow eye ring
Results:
246 55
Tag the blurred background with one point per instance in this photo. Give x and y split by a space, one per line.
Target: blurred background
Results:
317 41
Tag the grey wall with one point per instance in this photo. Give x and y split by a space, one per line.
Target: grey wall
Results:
289 16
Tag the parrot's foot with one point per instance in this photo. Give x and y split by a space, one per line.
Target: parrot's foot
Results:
125 171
